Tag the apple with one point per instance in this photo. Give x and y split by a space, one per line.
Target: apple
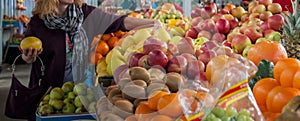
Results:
225 11
238 12
202 78
267 32
204 33
134 59
196 12
276 22
218 37
232 34
239 43
177 64
143 62
206 56
199 42
229 7
208 25
217 17
192 33
196 21
233 23
252 5
259 9
223 26
245 17
253 33
212 5
264 26
172 49
265 2
209 45
118 71
253 16
255 21
207 12
274 36
228 17
152 43
265 15
275 8
227 44
260 40
245 51
157 57
194 68
224 50
186 45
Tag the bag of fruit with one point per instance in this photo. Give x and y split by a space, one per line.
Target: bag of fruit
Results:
228 96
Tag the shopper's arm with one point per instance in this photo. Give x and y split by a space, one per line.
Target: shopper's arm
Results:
131 23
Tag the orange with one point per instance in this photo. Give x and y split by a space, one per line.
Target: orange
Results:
269 116
112 42
287 76
31 42
266 50
154 97
279 96
296 79
144 113
169 105
262 88
95 58
162 118
119 33
263 108
102 48
106 37
181 118
284 63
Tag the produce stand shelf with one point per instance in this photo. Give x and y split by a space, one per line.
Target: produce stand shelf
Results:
66 117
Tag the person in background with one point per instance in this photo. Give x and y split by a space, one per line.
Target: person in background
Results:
66 29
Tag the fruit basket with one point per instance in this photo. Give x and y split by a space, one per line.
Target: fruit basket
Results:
83 116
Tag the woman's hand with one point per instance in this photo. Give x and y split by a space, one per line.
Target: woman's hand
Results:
29 55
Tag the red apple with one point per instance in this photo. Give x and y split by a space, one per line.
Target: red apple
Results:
239 42
201 77
218 37
223 26
118 71
177 64
204 33
252 5
276 22
186 45
238 12
192 32
233 23
225 11
194 68
212 5
229 7
265 2
259 9
208 25
275 8
196 12
207 12
264 26
157 57
134 59
217 17
253 33
189 57
172 49
153 43
245 17
254 16
196 21
267 32
265 15
227 44
231 35
206 56
229 17
143 62
209 45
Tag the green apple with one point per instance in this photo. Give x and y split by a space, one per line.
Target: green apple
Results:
80 101
79 90
67 87
56 93
246 49
91 107
43 102
68 108
57 104
260 40
46 97
200 41
45 110
274 36
68 100
71 95
79 110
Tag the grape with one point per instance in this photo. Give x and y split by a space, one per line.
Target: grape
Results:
219 112
244 112
241 118
231 112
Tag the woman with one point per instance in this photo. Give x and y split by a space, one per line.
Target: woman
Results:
66 29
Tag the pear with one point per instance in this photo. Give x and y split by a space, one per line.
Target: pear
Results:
67 87
79 90
79 101
45 110
46 97
91 107
68 108
71 95
43 103
68 100
56 93
57 104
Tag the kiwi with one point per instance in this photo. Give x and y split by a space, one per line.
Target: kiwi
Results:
139 73
173 82
156 80
132 92
113 92
123 108
109 116
140 83
138 101
155 87
123 82
102 105
116 98
108 89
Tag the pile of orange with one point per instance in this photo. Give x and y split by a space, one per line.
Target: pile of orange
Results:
103 44
272 94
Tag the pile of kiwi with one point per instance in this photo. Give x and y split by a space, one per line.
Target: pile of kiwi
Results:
122 99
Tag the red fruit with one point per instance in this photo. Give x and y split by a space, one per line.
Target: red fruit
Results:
276 22
218 37
177 64
196 21
264 26
172 49
119 71
206 56
267 32
189 57
208 25
153 43
186 45
253 33
233 23
196 12
205 34
223 26
194 68
207 12
134 59
157 57
192 33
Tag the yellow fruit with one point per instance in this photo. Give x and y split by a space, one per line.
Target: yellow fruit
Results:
31 42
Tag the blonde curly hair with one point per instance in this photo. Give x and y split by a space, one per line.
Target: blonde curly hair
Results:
45 7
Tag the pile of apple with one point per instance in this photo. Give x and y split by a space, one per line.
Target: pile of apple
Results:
68 99
236 27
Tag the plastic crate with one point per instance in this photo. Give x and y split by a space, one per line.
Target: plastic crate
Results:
71 117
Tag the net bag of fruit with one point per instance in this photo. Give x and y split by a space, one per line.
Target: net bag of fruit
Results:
227 96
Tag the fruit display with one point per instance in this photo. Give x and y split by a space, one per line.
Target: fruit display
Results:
68 99
229 114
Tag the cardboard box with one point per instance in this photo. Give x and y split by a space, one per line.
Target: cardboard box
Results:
70 117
